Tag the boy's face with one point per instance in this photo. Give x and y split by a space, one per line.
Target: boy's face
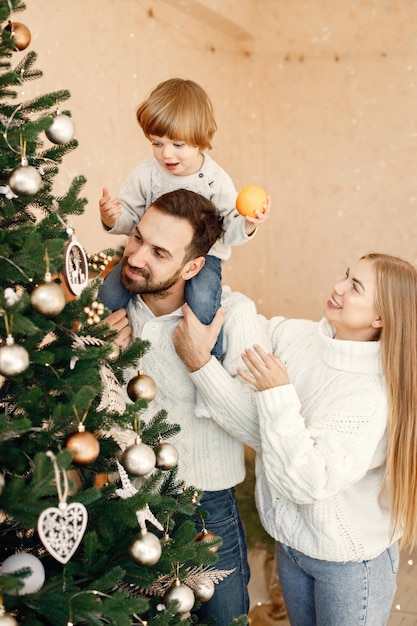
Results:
176 156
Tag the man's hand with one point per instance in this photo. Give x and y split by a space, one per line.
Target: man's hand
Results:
118 321
194 341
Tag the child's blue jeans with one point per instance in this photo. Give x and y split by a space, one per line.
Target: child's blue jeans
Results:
202 293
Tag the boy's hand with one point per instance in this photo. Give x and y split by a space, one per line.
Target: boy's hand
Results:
251 223
110 209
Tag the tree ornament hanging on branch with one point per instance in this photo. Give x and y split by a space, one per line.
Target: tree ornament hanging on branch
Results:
138 459
208 537
141 387
25 180
19 561
75 265
48 298
20 34
166 455
62 528
183 595
84 446
62 129
5 618
14 359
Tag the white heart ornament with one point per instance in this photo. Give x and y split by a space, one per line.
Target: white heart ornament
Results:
61 529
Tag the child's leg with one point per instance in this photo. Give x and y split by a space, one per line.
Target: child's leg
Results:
111 292
203 294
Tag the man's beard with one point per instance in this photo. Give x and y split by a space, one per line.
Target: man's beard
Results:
144 284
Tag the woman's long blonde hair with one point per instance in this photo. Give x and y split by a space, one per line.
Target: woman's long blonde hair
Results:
396 302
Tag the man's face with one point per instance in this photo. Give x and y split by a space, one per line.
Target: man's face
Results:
153 261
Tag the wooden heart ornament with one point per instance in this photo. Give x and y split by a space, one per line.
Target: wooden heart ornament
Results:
61 529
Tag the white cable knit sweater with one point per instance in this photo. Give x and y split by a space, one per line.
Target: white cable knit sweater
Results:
149 180
209 458
321 441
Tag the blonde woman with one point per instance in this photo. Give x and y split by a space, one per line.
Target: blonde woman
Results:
335 428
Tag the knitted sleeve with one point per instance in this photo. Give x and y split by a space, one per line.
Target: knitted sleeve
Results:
134 197
231 400
342 438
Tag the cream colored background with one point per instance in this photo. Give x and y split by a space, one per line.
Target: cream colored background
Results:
316 100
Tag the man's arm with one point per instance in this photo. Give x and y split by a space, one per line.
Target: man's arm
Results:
230 400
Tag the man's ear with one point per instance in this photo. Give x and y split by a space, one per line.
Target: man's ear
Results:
193 267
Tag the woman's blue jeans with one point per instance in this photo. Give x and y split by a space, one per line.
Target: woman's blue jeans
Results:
231 597
202 292
328 593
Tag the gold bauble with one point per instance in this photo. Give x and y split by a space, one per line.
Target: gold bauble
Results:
84 447
207 536
138 459
48 298
20 34
141 387
182 594
146 548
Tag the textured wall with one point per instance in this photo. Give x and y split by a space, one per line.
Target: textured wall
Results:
316 100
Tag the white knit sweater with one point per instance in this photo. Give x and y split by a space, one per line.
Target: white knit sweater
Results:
209 458
321 441
149 180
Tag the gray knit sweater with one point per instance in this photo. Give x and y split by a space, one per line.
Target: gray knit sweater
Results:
149 180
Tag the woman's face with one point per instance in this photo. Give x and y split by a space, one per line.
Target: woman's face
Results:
351 308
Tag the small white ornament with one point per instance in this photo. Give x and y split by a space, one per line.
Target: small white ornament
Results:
61 529
16 562
62 129
14 359
75 265
25 180
11 296
182 594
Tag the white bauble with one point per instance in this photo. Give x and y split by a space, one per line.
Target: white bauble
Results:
35 580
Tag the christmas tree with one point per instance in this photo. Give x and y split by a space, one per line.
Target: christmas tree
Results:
93 530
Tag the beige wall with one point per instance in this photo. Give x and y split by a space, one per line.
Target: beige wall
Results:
316 100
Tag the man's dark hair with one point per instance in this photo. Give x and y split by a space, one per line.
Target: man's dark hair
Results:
206 222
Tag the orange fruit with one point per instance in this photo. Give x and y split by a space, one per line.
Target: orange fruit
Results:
251 198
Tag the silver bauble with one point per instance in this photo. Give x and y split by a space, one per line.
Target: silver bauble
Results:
138 459
6 619
182 594
48 298
146 549
204 590
62 129
25 180
166 456
14 359
141 387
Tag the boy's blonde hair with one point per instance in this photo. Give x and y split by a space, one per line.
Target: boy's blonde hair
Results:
181 110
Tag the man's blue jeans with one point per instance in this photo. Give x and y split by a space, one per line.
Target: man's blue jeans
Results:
231 597
328 593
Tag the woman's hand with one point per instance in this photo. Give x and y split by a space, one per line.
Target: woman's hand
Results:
264 370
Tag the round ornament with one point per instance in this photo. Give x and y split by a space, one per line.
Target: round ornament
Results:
114 353
166 456
138 459
25 180
83 445
31 583
146 548
250 199
141 387
14 359
204 590
182 594
48 298
62 129
20 34
207 536
6 619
